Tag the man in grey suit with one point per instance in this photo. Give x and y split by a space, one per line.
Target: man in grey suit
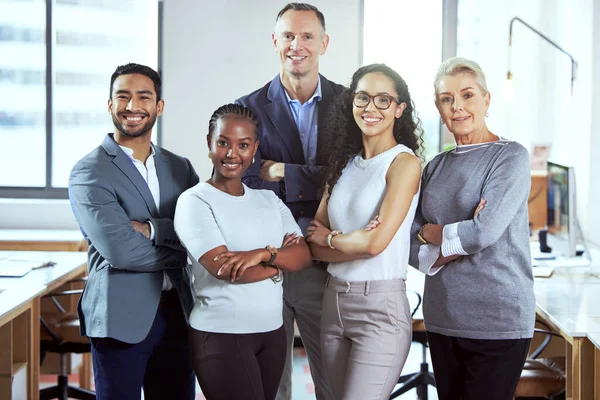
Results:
135 305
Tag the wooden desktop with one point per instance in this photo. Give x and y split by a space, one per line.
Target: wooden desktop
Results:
52 240
20 314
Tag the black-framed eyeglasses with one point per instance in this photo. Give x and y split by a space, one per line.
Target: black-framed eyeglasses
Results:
381 101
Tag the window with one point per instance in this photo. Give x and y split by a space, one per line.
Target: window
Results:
23 99
407 36
90 38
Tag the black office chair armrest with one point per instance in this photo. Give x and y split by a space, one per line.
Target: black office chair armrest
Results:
65 293
55 338
60 308
535 354
53 296
419 301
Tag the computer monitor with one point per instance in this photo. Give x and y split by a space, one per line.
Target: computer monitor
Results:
562 218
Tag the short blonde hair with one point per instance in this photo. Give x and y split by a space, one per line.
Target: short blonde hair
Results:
456 65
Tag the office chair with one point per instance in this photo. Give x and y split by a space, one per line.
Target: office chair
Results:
542 378
418 380
60 334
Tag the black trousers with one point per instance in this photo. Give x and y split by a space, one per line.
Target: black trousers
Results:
238 366
475 369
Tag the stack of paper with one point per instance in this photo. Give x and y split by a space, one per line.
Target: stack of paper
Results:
18 268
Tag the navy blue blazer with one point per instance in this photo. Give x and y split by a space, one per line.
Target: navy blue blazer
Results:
280 142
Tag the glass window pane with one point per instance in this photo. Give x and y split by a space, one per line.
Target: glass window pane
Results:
407 36
23 93
93 37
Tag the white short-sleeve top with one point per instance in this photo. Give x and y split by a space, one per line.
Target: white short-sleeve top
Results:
206 218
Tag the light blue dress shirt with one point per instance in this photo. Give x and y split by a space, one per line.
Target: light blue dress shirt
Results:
306 117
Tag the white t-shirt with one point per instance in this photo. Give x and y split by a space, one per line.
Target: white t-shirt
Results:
206 218
355 200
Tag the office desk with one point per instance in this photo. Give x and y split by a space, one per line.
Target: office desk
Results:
594 338
19 342
51 240
415 283
42 240
24 296
568 302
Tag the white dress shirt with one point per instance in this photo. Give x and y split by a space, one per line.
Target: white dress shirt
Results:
148 172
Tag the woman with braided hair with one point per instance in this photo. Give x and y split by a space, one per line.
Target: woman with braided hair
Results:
239 240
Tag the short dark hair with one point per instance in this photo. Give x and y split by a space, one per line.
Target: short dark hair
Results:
303 7
133 68
235 110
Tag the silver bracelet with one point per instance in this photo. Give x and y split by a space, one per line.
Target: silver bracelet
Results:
279 277
330 236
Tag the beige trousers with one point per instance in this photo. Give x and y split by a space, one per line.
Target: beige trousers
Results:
302 298
366 331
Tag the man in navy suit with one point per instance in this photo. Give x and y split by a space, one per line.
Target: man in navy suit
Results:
290 109
135 305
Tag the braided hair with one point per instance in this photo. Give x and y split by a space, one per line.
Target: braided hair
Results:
235 110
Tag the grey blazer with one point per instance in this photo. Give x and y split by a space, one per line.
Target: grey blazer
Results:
125 268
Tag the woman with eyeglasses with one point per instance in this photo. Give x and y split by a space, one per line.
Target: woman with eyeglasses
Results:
373 175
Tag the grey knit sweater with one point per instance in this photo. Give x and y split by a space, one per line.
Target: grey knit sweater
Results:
487 293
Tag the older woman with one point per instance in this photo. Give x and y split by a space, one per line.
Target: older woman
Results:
471 237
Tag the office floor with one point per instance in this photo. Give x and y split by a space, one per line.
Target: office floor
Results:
303 388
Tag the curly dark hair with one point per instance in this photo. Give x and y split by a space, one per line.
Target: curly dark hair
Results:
344 137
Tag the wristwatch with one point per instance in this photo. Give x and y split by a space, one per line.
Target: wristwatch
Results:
420 234
273 251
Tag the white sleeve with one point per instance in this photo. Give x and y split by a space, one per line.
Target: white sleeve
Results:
196 226
451 244
428 255
151 230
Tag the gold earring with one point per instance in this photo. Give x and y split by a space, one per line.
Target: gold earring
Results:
209 154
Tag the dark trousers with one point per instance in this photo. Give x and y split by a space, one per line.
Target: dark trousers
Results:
238 366
160 363
474 369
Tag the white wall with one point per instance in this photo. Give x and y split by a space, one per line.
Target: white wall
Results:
542 109
213 55
36 214
593 211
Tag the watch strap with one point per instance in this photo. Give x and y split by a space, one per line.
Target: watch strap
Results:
273 251
420 234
